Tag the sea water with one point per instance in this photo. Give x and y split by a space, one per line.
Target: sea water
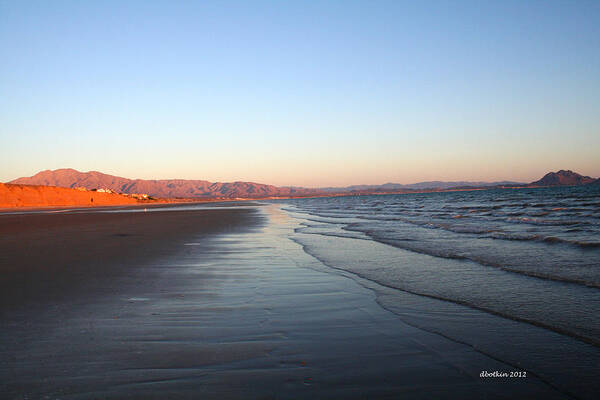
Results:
514 273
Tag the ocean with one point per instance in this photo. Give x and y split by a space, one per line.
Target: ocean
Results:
513 273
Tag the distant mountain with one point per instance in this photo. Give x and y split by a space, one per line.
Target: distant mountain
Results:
170 188
563 178
449 185
438 185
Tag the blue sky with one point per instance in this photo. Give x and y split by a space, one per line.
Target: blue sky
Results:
307 93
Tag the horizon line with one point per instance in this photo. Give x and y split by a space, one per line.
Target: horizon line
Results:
373 185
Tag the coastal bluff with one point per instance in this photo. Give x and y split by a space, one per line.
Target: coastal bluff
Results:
12 195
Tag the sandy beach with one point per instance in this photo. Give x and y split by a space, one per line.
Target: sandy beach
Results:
213 302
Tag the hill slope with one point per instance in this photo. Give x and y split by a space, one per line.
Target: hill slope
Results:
563 178
45 196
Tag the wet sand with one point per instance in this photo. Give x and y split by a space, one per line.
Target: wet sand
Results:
212 303
45 257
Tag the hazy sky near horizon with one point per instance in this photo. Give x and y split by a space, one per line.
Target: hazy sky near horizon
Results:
311 93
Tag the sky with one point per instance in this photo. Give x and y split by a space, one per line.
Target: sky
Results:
304 93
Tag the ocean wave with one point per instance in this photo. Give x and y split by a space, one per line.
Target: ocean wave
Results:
541 221
471 207
491 231
453 254
545 239
554 238
578 243
540 214
542 324
514 214
349 235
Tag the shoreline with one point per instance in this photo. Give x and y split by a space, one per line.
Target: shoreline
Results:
197 200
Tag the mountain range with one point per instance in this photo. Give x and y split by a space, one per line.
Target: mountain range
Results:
181 188
166 188
418 186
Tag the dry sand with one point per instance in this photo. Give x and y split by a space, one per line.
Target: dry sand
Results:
213 304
